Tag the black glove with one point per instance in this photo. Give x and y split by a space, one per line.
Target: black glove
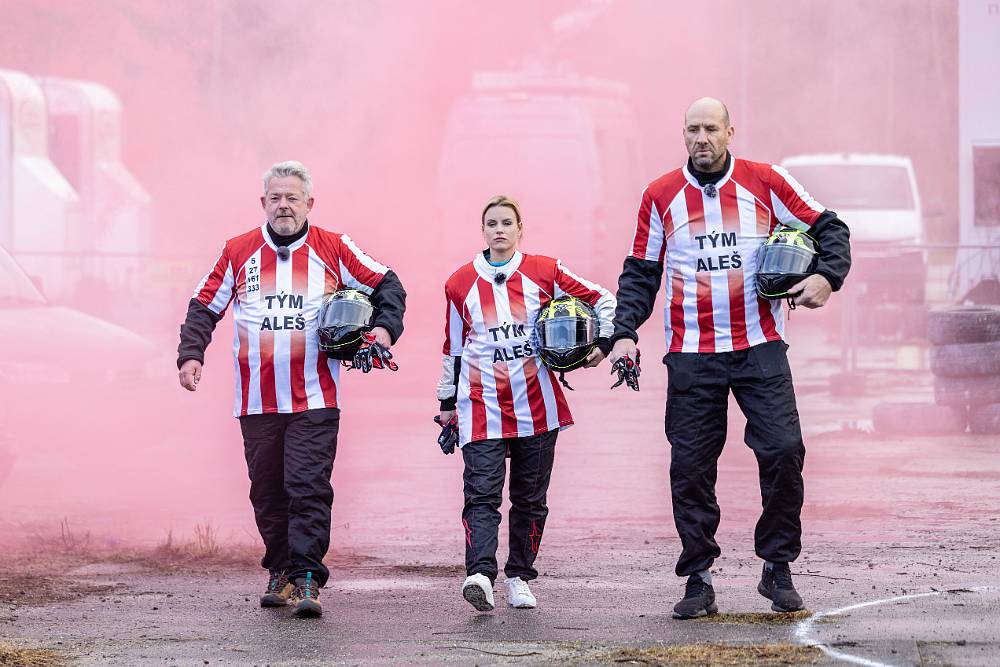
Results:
449 435
628 371
371 355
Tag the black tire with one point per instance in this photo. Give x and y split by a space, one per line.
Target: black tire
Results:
985 419
963 324
961 392
918 419
966 359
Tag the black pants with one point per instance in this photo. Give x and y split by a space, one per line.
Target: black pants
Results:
290 458
697 397
531 461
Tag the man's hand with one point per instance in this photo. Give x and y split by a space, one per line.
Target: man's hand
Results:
189 374
594 358
446 416
623 347
382 337
813 292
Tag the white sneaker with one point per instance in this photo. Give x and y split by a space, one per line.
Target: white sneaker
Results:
519 595
478 590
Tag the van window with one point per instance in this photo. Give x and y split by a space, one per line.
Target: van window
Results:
857 186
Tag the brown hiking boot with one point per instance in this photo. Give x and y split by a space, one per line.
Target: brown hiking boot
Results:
279 589
306 597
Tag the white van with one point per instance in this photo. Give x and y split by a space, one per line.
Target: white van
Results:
876 195
565 146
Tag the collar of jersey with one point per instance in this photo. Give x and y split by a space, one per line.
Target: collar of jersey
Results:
718 186
484 269
292 247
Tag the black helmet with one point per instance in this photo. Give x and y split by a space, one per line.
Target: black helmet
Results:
788 256
567 330
343 318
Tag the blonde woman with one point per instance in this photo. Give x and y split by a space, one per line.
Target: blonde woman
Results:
503 401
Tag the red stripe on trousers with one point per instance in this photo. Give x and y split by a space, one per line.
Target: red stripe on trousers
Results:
478 407
505 397
706 319
536 399
676 312
297 373
268 391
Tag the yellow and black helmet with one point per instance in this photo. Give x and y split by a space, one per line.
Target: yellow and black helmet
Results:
566 329
788 256
343 318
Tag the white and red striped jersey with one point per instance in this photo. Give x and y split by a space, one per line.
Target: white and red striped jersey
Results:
708 239
279 367
504 391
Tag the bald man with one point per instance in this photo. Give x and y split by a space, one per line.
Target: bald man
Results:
705 223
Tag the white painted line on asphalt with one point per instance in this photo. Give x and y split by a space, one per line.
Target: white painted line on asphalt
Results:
804 627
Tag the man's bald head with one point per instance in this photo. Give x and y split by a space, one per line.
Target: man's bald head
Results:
707 133
708 106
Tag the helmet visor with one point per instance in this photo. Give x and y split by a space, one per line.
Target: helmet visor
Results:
346 313
783 258
565 333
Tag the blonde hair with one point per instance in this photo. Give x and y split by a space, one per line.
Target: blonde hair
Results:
502 200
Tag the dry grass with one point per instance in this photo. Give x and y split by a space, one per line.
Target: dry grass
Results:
756 618
716 655
14 656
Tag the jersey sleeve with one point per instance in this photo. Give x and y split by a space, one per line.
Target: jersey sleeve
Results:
358 270
649 242
215 291
603 302
792 205
454 326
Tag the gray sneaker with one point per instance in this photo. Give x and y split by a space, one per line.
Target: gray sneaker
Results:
699 599
776 585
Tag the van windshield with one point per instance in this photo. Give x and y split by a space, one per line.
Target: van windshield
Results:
15 287
856 186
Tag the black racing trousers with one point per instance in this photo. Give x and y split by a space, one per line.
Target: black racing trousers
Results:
531 461
698 387
290 459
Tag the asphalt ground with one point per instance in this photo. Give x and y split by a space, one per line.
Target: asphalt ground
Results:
899 567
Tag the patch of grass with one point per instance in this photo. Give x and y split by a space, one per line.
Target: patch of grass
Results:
426 570
716 655
756 618
13 656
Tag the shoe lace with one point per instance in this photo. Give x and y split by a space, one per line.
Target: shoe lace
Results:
695 586
782 576
308 588
277 581
520 587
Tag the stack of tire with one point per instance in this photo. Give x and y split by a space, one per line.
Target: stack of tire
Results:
965 362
